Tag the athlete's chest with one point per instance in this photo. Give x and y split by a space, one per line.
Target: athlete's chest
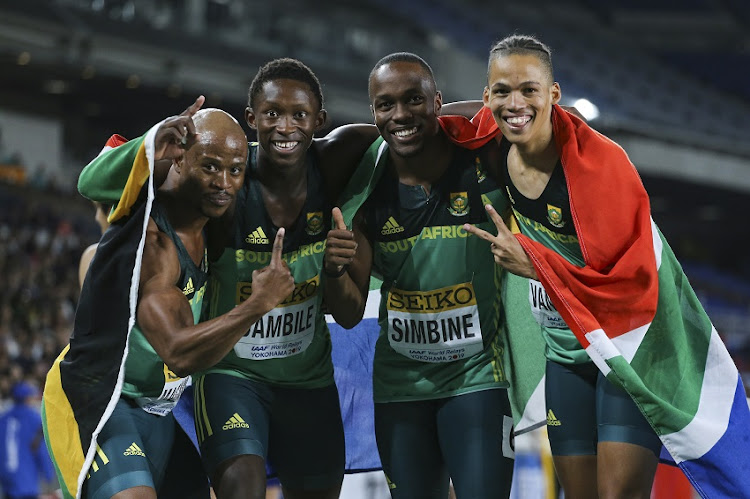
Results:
399 211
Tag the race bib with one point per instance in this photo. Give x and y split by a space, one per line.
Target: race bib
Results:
170 394
542 308
440 325
286 330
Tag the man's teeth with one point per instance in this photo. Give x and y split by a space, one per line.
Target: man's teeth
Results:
285 145
518 120
405 133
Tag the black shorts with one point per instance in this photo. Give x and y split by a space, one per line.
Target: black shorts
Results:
584 408
467 438
136 448
298 431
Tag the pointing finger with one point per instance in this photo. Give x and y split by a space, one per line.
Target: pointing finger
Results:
194 107
278 246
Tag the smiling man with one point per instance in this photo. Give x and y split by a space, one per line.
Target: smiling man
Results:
109 396
627 339
441 408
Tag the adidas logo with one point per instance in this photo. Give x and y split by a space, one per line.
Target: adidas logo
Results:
235 421
189 288
391 227
552 420
133 450
257 237
391 485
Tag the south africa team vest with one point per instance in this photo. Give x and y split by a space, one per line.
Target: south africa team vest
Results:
148 380
290 345
548 220
440 307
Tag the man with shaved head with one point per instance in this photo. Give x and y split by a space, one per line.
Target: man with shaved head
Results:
109 397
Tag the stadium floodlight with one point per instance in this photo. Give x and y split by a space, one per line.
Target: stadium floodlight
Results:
587 108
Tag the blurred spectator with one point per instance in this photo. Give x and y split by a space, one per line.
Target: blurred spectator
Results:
24 461
42 236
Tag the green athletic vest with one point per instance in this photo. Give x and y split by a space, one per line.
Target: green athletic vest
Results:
148 380
440 303
291 345
547 220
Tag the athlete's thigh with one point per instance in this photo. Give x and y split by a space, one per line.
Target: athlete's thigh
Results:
231 418
475 437
620 420
306 444
409 448
132 451
570 393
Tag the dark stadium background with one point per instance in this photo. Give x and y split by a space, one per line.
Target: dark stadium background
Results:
669 78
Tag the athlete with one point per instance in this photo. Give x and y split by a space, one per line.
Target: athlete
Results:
248 406
601 443
273 397
116 388
441 408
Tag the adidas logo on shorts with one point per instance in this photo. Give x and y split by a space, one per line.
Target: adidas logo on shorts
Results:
133 450
391 227
552 420
234 422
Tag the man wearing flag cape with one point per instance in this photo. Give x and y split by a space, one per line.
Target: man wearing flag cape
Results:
605 286
107 406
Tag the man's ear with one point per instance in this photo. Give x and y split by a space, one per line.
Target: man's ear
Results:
250 118
321 120
556 93
372 113
486 97
438 102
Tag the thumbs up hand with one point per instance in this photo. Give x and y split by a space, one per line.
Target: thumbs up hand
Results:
340 247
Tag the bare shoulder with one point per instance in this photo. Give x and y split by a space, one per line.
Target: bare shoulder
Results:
86 257
159 254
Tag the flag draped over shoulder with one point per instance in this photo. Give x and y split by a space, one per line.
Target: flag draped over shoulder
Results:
633 309
85 381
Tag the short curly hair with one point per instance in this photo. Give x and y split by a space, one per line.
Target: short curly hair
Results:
281 69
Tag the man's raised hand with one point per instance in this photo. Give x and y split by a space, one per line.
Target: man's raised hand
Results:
506 249
177 133
340 246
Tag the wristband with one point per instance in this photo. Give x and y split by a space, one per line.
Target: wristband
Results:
335 275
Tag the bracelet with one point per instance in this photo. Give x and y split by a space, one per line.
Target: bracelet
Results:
335 275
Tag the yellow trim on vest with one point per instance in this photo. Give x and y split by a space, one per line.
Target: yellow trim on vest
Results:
136 180
62 430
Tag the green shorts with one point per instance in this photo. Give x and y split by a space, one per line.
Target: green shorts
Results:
466 437
136 448
584 408
297 431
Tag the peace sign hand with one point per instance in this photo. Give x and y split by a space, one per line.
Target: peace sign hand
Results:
506 249
177 133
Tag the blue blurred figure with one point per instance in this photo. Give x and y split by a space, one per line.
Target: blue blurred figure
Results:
24 460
